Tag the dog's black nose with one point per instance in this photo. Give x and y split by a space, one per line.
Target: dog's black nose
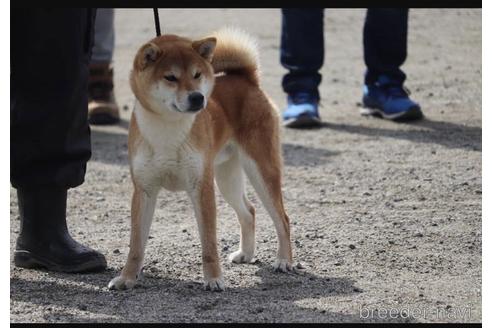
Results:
196 101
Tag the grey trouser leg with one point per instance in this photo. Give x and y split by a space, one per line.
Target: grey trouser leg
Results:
102 52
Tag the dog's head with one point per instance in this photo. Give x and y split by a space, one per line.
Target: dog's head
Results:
173 75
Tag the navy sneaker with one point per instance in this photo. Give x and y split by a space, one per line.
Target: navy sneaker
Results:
301 111
389 99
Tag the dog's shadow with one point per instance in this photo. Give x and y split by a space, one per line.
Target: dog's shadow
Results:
276 297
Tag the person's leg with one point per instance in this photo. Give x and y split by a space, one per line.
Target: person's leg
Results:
103 48
385 51
302 53
102 105
385 43
49 134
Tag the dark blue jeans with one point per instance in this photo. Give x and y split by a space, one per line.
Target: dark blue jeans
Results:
302 46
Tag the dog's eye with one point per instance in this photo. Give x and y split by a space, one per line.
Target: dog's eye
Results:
171 78
197 75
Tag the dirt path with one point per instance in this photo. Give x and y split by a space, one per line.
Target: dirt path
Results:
385 216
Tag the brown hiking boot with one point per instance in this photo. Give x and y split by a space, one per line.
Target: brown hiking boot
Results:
102 105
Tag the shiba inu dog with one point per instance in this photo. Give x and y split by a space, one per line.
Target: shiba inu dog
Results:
201 115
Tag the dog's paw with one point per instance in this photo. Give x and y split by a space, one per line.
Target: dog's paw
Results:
283 265
214 284
121 283
240 257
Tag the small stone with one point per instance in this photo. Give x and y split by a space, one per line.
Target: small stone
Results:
116 251
299 266
419 234
351 246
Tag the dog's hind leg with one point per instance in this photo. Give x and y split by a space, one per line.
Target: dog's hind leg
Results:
261 159
229 176
143 205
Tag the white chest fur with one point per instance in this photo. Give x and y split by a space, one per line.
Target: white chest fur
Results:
165 158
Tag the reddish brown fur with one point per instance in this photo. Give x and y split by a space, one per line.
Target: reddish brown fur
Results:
237 109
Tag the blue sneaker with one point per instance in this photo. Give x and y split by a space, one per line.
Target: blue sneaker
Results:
301 111
389 100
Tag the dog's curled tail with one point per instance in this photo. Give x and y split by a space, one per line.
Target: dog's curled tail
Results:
236 52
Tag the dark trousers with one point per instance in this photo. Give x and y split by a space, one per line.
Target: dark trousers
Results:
302 46
49 134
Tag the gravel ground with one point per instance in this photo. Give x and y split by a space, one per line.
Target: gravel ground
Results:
386 217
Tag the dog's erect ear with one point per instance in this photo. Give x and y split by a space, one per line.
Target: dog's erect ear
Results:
205 47
149 53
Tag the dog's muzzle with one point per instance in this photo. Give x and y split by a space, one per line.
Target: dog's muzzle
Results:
196 100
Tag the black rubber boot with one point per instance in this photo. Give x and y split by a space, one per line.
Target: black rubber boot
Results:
44 240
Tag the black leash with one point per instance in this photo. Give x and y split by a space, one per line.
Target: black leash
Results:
157 23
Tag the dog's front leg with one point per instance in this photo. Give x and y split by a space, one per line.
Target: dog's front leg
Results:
203 198
143 205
